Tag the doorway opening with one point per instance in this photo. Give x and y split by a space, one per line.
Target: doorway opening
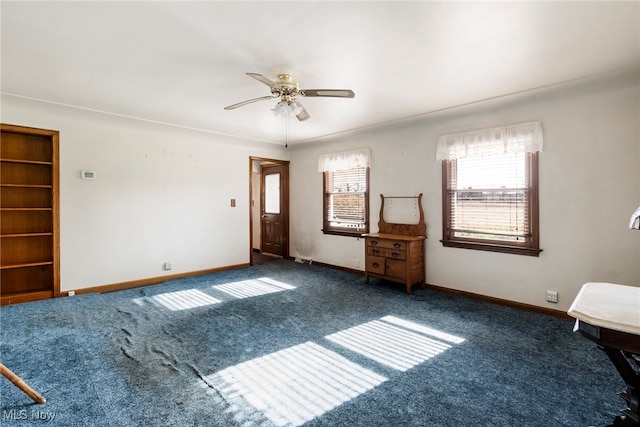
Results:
268 209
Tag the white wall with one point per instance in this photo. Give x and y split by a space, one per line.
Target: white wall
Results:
589 187
162 194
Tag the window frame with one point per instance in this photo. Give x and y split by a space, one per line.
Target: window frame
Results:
530 246
327 228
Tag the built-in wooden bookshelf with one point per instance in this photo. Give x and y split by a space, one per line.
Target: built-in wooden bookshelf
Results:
29 227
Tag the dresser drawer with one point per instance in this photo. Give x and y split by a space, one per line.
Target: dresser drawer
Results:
386 243
376 251
375 264
396 254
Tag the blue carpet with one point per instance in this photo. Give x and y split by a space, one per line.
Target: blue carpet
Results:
285 344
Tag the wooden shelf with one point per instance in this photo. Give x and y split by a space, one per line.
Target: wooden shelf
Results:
9 235
22 297
27 185
25 209
29 264
28 162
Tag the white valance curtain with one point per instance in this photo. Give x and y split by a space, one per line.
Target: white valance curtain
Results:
344 160
510 139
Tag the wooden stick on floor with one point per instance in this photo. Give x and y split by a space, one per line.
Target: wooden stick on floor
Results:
18 382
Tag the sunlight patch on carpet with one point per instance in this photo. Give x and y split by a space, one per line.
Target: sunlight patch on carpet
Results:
393 342
293 386
179 300
423 329
253 287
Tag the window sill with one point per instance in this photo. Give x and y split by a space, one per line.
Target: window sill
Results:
516 250
345 233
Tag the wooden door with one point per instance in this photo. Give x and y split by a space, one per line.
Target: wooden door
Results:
274 209
29 230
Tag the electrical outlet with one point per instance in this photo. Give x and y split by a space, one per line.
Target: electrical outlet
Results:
552 296
166 266
357 262
71 293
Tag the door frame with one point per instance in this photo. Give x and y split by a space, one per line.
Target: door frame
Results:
285 203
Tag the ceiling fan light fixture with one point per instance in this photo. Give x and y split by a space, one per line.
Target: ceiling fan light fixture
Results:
285 109
281 109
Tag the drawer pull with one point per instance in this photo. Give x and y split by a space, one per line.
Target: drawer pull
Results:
396 245
376 265
374 242
375 252
395 254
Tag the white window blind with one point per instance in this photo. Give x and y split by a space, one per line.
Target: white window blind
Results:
346 193
488 198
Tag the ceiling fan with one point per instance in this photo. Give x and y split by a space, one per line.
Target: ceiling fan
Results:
288 90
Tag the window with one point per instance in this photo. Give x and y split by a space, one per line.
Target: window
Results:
345 192
490 189
346 201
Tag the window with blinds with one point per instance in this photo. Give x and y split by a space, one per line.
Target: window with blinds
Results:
491 203
346 201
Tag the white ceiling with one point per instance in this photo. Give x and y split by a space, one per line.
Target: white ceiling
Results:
181 62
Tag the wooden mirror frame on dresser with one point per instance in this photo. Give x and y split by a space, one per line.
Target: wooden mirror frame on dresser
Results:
396 251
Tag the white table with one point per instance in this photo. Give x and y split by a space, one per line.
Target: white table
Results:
609 315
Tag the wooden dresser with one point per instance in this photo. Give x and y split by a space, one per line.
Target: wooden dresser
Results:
396 252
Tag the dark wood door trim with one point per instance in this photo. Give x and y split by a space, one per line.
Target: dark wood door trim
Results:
285 203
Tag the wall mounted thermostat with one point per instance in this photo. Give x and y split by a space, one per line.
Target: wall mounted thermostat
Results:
88 175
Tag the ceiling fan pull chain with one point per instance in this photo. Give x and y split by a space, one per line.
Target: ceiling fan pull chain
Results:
286 132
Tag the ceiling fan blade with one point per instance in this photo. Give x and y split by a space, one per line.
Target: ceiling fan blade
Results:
249 101
303 114
336 93
263 79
